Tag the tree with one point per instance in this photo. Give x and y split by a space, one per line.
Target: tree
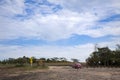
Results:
101 57
118 47
75 60
117 55
62 59
55 59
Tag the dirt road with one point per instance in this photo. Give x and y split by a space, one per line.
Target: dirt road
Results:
62 73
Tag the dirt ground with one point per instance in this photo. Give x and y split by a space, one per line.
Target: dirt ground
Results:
61 73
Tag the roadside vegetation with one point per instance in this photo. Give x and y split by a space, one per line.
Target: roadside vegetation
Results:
104 57
101 57
41 63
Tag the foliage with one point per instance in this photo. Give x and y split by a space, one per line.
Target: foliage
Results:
104 57
75 60
23 61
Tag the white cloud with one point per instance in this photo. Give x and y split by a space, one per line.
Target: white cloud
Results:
12 7
77 17
51 27
109 28
85 5
80 52
101 8
60 25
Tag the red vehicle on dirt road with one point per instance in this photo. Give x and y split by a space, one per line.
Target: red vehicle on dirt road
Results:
77 66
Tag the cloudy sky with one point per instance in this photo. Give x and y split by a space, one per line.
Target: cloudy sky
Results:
57 28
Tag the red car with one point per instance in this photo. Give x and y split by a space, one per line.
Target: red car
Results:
77 66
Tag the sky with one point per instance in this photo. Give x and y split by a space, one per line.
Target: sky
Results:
57 28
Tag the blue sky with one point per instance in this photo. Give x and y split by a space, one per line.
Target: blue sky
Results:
57 28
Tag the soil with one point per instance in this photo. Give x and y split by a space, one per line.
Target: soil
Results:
61 73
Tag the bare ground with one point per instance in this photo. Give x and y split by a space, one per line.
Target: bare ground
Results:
61 73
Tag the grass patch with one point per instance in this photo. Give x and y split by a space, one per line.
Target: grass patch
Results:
23 67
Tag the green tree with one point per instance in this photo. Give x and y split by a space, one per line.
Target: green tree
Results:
101 57
62 59
75 60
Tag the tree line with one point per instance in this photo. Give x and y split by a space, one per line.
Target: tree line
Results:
26 60
104 57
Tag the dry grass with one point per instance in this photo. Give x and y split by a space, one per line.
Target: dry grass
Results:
61 73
